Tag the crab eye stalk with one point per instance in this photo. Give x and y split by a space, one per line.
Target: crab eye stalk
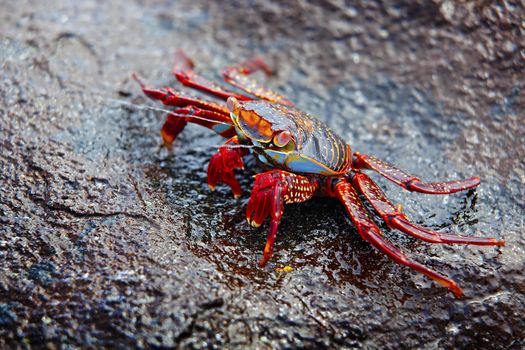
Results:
233 104
282 138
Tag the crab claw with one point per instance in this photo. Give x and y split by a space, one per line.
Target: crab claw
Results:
262 198
221 169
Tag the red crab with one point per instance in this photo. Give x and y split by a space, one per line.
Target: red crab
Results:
305 157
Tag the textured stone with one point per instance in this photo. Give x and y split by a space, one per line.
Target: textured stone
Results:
107 241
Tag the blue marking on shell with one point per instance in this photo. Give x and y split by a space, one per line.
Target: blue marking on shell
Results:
218 128
277 157
303 165
263 159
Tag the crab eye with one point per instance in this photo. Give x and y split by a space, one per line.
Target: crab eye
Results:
282 138
232 104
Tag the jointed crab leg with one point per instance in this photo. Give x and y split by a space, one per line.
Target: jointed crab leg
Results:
237 76
371 233
172 127
271 191
234 75
177 120
410 182
183 71
396 219
209 114
170 97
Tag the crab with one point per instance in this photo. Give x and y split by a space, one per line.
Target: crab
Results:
303 158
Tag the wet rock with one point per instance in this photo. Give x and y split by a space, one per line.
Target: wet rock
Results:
108 241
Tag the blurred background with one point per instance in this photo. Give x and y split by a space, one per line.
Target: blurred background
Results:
106 240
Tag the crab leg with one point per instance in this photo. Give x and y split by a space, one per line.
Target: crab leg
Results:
170 97
410 182
371 233
222 165
209 114
271 191
177 120
183 71
172 127
237 76
397 220
234 75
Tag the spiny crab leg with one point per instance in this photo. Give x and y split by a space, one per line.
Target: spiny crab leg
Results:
271 190
397 220
410 182
183 71
237 76
177 120
371 233
172 127
170 97
209 114
234 75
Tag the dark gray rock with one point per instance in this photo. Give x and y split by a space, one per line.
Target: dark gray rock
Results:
107 241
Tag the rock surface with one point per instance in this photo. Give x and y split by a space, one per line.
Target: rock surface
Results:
107 241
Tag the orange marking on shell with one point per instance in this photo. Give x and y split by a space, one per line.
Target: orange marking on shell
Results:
255 123
249 118
265 128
